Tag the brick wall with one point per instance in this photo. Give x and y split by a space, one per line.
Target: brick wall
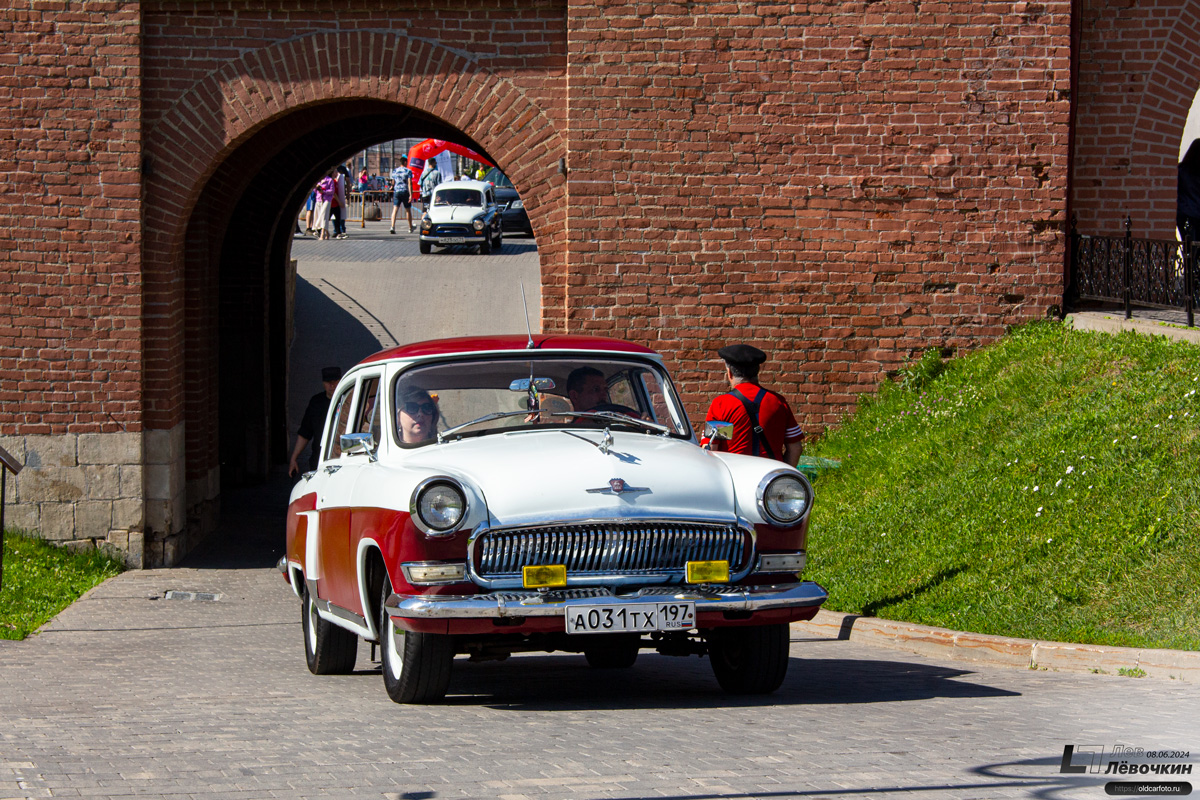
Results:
842 183
1139 68
70 137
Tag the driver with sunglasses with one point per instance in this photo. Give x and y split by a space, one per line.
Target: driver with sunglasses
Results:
416 416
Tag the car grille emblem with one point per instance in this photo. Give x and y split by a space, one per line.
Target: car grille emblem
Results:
618 486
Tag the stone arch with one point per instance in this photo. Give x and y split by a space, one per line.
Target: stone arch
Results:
1138 73
213 118
206 143
1162 113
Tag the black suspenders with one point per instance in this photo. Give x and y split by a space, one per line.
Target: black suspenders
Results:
758 439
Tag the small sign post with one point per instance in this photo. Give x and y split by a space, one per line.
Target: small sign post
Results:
7 464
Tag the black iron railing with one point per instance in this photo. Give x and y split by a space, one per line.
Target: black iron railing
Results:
1149 273
7 464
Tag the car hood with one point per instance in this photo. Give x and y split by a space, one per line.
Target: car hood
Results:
454 213
529 477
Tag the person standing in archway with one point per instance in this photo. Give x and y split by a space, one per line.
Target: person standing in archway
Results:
429 181
763 422
1187 197
326 190
401 187
312 425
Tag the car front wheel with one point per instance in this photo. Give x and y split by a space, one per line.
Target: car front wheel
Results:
749 660
328 649
426 248
416 666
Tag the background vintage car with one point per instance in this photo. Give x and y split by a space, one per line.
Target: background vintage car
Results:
539 526
515 219
462 213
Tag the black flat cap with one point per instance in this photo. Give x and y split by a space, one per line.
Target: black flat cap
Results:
331 374
742 354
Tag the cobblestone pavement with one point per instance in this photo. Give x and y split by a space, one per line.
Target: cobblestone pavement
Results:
130 694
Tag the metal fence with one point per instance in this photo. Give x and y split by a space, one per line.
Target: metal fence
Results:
1148 273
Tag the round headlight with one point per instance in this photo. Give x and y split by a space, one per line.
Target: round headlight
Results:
517 204
478 223
785 499
439 507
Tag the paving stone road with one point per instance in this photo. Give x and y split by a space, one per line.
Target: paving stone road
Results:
131 694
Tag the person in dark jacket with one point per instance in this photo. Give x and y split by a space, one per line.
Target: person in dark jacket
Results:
1187 197
313 423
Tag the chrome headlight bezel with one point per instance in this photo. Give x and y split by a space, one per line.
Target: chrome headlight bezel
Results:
478 224
418 510
768 504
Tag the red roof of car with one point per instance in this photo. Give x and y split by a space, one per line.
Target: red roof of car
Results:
516 342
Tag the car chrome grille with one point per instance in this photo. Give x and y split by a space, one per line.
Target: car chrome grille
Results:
644 550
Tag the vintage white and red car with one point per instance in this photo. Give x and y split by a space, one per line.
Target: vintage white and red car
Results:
485 496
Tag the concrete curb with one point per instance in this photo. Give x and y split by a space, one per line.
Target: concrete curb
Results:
1005 651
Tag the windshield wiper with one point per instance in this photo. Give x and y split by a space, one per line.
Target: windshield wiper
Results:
613 416
494 415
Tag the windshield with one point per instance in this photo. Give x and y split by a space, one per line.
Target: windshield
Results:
498 179
458 197
435 398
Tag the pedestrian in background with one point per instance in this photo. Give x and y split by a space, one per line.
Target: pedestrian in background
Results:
312 425
326 190
1187 197
429 181
763 423
401 187
339 206
310 205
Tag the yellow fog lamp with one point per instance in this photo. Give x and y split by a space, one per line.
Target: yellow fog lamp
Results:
708 572
543 575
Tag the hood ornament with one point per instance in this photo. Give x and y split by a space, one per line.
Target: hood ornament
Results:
618 486
607 442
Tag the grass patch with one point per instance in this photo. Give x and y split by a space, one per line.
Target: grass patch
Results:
41 579
1043 487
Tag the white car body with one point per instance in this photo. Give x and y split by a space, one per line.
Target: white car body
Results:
612 503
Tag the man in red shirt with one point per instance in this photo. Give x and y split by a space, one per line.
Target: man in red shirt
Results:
763 423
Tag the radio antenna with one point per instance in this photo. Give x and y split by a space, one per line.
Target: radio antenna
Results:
528 329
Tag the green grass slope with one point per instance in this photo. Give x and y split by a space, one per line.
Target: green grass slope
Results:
41 579
1047 486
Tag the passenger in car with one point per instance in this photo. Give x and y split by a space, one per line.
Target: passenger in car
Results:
416 415
588 391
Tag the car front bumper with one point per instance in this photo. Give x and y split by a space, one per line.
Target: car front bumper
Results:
449 239
556 603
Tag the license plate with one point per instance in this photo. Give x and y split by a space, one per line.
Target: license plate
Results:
635 617
454 239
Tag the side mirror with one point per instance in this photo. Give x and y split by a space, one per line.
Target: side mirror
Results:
357 444
717 429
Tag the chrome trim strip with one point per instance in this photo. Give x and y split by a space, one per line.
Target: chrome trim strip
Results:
553 603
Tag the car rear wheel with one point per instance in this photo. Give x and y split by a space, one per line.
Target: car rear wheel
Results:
328 649
426 248
619 653
416 666
749 660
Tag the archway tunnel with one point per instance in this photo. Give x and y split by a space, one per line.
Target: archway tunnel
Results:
240 284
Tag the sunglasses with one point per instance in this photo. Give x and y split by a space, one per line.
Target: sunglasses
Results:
412 409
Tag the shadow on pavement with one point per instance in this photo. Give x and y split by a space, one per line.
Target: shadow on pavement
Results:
563 682
252 530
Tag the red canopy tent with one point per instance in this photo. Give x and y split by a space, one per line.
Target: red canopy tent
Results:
420 154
